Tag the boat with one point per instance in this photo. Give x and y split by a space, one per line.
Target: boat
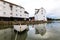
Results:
20 27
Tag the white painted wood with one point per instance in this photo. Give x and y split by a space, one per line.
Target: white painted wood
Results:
40 15
20 28
16 11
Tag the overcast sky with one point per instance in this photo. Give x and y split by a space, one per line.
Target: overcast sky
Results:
52 7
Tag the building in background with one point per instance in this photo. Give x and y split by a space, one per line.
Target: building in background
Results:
40 14
10 11
26 15
31 18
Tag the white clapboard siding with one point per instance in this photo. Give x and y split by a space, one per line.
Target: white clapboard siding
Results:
40 15
1 13
18 11
5 10
14 11
22 12
1 3
26 15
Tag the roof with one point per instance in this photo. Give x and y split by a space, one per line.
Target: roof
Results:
37 11
12 3
26 12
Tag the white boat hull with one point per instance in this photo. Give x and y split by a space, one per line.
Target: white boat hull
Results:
20 28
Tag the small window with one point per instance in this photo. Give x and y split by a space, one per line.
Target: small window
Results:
4 12
11 13
16 14
20 15
41 10
20 11
4 2
41 13
16 10
43 16
11 7
3 6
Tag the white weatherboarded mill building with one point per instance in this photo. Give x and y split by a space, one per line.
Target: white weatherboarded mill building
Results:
40 14
9 10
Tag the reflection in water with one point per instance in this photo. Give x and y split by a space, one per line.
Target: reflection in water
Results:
40 29
46 31
51 31
6 34
23 36
9 34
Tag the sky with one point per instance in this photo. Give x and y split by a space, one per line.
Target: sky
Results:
52 7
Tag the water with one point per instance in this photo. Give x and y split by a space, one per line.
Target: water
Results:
45 31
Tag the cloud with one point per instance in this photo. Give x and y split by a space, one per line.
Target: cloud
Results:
55 13
51 6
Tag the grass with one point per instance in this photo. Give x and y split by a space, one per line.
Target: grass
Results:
21 22
9 24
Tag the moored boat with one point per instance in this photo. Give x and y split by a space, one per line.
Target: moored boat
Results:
20 28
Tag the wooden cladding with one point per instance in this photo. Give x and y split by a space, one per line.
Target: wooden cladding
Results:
11 4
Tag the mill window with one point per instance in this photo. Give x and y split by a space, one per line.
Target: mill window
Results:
16 10
16 14
20 11
20 15
4 2
4 12
11 7
41 13
43 16
11 13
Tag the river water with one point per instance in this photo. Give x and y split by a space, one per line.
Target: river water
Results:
45 31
